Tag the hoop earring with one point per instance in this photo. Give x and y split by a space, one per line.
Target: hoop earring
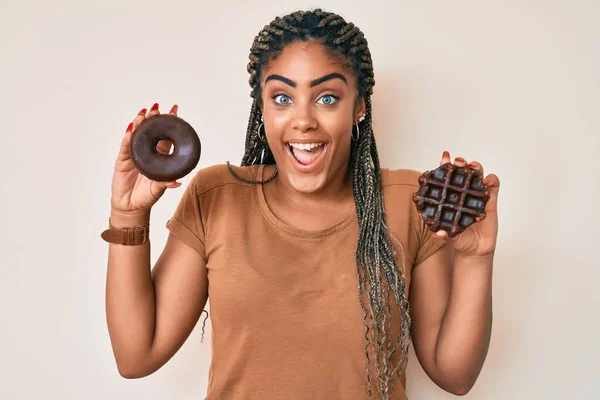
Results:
357 132
262 138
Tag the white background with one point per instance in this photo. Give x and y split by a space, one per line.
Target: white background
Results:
512 84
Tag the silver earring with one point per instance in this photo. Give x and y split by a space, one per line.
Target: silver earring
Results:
262 138
357 132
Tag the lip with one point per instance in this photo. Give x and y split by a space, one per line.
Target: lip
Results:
307 168
305 141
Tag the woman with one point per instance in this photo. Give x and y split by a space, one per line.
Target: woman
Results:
309 247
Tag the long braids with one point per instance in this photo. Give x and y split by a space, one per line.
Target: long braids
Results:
379 276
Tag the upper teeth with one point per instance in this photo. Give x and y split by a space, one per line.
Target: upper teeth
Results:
305 146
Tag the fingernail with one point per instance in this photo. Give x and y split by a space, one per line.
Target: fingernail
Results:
143 111
472 165
129 127
154 107
446 154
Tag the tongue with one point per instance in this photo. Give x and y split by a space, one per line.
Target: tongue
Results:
307 157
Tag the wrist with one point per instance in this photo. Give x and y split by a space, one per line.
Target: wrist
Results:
474 259
119 219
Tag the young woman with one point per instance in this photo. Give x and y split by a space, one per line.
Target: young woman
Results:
308 251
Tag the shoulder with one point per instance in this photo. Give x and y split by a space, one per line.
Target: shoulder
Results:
217 176
403 218
407 179
398 187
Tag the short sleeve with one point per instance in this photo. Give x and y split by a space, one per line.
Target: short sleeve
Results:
186 222
403 216
428 244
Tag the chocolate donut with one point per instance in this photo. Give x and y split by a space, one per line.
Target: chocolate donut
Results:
165 167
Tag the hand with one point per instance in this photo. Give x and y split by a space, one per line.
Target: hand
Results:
479 239
132 192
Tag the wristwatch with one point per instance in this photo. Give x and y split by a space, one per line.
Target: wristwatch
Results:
126 236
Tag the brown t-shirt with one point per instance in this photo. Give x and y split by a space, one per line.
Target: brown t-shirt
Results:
286 321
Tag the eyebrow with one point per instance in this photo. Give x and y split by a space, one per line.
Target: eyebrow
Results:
316 82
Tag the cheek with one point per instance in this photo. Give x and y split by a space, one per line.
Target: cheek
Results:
276 127
338 125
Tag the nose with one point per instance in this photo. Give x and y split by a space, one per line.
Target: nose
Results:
304 119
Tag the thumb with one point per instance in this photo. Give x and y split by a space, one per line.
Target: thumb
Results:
157 189
493 183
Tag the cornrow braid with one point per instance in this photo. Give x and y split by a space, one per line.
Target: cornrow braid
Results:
380 279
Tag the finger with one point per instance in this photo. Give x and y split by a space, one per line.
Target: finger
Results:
444 236
172 184
174 110
153 110
477 167
125 142
493 184
445 158
492 181
460 162
124 149
141 116
158 188
164 146
441 234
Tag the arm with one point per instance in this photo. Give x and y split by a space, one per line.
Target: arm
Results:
150 313
451 303
451 299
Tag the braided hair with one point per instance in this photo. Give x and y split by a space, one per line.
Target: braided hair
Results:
379 276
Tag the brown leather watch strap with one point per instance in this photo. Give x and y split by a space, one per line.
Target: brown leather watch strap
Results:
126 236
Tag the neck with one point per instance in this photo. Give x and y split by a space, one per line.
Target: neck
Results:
337 191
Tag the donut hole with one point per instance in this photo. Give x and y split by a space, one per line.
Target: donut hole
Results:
165 146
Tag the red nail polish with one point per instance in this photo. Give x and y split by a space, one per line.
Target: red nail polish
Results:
154 107
130 126
446 154
143 111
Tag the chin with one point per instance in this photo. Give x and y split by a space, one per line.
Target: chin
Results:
307 164
307 184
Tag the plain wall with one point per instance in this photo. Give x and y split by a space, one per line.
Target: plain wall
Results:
513 84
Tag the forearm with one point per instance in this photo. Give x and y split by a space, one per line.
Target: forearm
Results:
130 302
464 335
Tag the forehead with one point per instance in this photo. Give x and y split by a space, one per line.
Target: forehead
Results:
304 62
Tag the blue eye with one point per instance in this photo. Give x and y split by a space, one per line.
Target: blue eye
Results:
282 99
328 99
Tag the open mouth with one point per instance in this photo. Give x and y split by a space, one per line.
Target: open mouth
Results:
307 155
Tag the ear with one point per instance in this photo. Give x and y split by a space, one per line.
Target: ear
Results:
360 109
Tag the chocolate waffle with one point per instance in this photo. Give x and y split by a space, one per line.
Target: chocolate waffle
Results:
451 198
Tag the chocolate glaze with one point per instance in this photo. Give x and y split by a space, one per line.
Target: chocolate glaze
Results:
451 198
165 167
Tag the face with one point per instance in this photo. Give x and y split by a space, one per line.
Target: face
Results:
309 108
